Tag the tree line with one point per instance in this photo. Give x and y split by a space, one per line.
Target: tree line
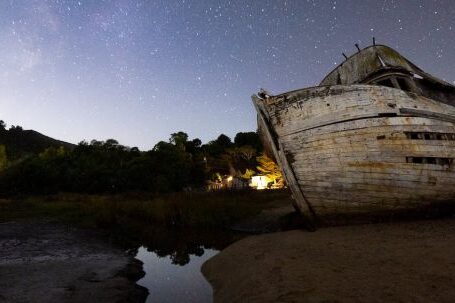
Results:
109 167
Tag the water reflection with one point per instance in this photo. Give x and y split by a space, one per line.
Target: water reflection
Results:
179 245
173 259
168 281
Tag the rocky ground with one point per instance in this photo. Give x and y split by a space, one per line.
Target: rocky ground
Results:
50 262
394 262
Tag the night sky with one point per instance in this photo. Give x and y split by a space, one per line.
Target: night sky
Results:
137 71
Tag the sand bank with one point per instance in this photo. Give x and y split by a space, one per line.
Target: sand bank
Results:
396 262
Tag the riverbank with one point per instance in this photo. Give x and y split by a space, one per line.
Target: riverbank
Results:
45 261
387 262
183 210
70 247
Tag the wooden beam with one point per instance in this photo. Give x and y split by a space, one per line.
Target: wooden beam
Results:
303 204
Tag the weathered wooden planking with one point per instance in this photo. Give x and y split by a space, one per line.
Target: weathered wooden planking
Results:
383 178
393 135
308 114
371 125
341 161
347 147
360 150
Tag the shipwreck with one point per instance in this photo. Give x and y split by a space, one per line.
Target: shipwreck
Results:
376 137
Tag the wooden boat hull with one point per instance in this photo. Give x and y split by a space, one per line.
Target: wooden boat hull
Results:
352 150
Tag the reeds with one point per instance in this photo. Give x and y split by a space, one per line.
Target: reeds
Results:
178 210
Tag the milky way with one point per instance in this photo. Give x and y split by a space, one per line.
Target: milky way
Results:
140 70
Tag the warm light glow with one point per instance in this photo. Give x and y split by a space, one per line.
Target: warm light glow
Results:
260 182
229 178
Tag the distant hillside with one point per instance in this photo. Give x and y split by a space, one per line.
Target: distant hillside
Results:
19 142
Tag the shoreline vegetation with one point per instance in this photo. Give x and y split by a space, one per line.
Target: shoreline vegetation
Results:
33 164
176 225
202 210
106 185
141 217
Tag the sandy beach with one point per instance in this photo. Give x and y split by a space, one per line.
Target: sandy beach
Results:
393 262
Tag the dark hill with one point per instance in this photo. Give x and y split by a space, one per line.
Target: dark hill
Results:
19 142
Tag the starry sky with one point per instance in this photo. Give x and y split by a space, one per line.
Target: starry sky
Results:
138 71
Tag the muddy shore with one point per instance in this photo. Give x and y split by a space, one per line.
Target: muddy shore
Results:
394 262
51 262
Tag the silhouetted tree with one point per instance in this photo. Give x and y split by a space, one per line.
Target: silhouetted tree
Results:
241 158
223 141
179 139
3 157
248 138
109 167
